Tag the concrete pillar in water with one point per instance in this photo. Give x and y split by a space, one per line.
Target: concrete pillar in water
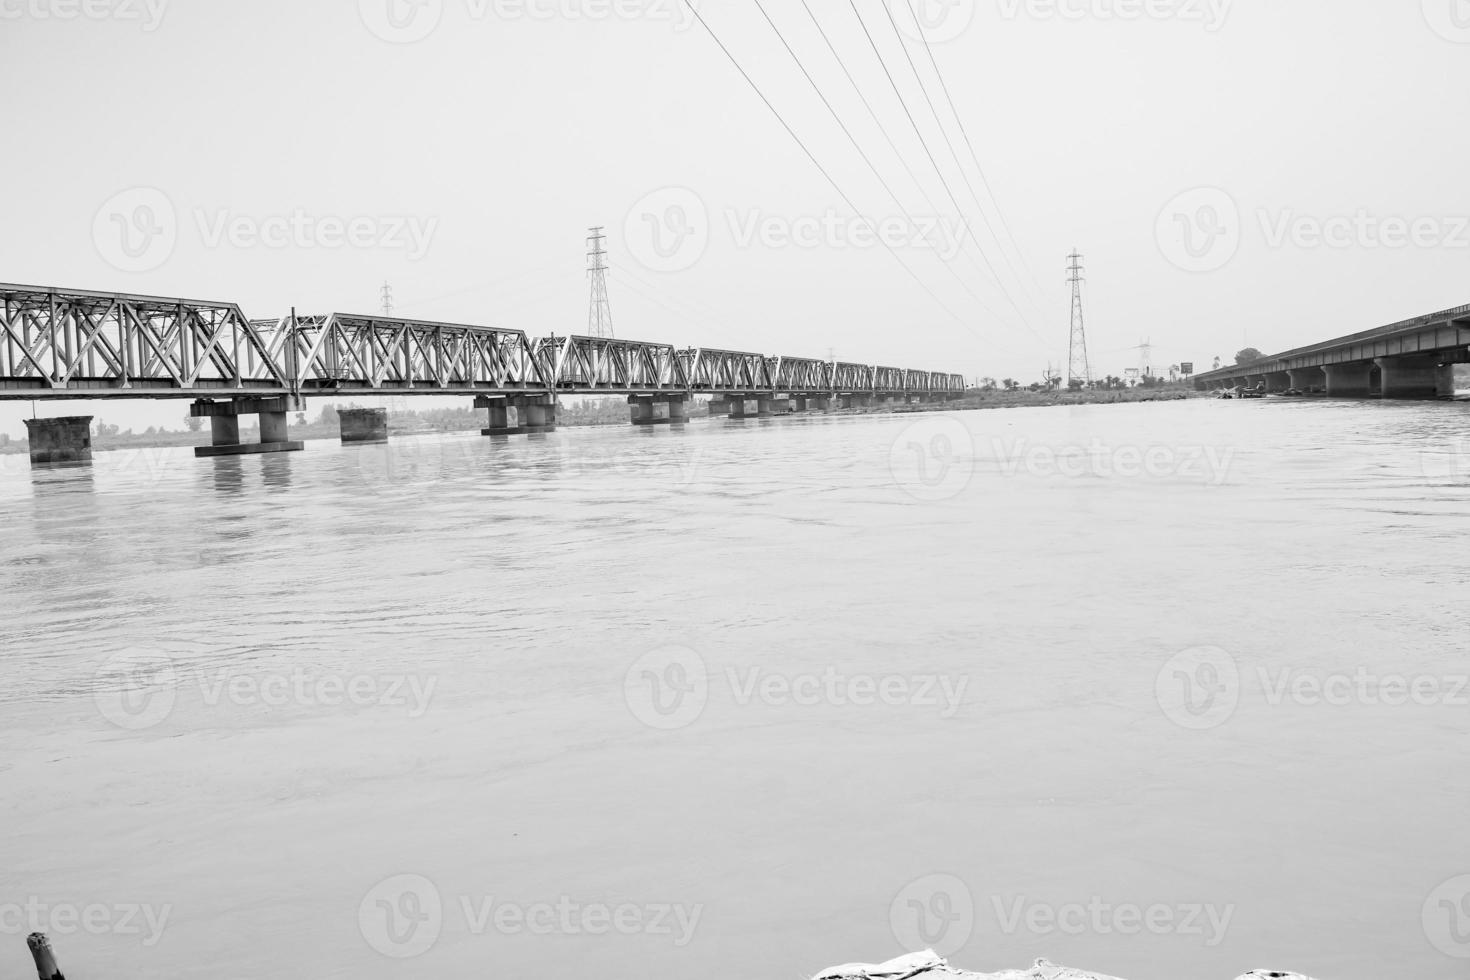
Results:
1409 377
224 425
538 413
224 430
678 409
1445 381
1305 379
821 403
272 427
363 424
766 406
798 404
498 420
737 406
640 410
1278 381
66 439
1350 380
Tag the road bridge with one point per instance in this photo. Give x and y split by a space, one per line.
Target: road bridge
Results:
1413 358
76 344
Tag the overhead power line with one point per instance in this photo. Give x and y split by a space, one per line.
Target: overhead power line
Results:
856 146
924 91
817 163
974 157
939 172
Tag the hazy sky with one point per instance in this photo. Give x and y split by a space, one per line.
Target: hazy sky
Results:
1250 171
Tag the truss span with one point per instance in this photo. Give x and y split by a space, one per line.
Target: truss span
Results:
75 344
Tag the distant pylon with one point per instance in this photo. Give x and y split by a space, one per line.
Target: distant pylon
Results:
387 300
1077 366
599 312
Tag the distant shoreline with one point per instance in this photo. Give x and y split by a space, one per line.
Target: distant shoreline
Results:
971 401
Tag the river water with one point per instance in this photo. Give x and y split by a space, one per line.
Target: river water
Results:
1164 690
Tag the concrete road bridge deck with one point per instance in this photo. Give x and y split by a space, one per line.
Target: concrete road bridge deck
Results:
76 344
1413 358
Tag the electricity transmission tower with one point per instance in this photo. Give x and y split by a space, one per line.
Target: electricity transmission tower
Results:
387 299
599 313
1077 366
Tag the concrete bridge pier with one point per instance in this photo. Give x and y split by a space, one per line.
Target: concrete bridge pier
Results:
1445 381
737 406
59 441
224 424
498 423
538 412
1306 379
821 403
798 403
1409 377
1350 380
363 424
643 409
640 410
768 405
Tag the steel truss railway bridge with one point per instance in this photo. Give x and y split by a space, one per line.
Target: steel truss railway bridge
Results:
68 344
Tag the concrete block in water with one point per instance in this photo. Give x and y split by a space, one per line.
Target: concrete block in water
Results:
67 439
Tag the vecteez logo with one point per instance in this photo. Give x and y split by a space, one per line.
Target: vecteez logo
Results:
1450 19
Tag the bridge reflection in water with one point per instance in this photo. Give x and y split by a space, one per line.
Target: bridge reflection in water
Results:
70 344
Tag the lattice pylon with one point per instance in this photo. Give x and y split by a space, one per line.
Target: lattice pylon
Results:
599 311
1078 368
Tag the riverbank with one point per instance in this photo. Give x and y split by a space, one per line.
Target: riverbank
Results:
600 414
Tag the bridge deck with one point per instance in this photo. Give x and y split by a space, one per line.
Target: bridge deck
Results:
1443 331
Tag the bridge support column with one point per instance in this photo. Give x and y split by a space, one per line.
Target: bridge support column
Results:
224 430
62 440
640 410
798 404
1277 382
1307 379
678 409
821 403
767 405
224 425
737 406
1409 377
363 424
1445 381
1349 380
498 423
539 413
